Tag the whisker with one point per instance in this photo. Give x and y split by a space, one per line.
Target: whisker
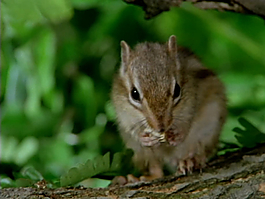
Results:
143 124
176 120
138 125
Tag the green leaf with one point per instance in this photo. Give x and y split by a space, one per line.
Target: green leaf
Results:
16 123
110 112
84 171
57 155
44 48
116 162
252 48
99 166
6 62
72 177
90 167
91 138
9 143
20 16
55 11
84 99
25 150
15 90
102 164
16 152
22 182
35 61
54 100
25 61
86 4
250 136
16 14
6 182
31 173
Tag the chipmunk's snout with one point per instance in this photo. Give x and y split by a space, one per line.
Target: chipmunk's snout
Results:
159 118
162 130
159 125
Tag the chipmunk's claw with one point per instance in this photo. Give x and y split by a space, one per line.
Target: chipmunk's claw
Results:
187 166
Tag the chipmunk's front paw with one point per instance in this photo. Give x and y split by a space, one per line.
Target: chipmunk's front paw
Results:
150 139
191 163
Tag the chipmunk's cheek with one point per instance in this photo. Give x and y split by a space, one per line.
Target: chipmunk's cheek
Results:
174 138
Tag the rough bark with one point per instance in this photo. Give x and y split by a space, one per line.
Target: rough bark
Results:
236 175
155 7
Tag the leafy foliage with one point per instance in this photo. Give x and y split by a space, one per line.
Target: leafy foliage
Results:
250 136
58 61
27 177
101 165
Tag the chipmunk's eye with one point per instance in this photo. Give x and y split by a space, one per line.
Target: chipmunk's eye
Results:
176 91
135 94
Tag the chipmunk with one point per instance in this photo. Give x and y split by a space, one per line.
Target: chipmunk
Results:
170 109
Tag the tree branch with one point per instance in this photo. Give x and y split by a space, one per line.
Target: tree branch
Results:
236 175
155 7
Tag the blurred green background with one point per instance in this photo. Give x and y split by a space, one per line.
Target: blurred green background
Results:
58 60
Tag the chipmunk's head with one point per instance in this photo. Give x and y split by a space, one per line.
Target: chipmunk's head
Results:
151 86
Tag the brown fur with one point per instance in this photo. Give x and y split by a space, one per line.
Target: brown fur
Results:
195 120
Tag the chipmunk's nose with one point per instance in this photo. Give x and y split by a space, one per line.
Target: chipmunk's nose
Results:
161 126
162 130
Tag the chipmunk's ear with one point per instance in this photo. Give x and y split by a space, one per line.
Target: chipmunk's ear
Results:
125 57
172 49
172 45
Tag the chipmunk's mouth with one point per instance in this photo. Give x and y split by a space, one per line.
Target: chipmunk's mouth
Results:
170 136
